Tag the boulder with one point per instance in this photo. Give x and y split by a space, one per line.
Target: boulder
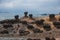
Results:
36 30
4 32
47 27
23 33
57 24
30 27
7 26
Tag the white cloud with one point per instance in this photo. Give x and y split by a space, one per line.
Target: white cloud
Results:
7 5
24 3
36 5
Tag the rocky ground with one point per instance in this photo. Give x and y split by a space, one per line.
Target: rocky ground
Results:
32 28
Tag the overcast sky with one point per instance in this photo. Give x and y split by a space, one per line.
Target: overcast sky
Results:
32 6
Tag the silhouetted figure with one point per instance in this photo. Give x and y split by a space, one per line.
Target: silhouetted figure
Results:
52 17
25 14
47 38
16 17
30 16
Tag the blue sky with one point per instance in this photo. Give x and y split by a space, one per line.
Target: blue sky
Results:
32 6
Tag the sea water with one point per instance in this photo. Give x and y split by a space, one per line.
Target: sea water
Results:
8 15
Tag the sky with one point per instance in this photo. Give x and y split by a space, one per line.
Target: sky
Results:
9 8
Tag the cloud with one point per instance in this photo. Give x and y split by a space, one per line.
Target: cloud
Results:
29 5
24 3
7 4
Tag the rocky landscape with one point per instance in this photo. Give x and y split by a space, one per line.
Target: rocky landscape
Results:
31 28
